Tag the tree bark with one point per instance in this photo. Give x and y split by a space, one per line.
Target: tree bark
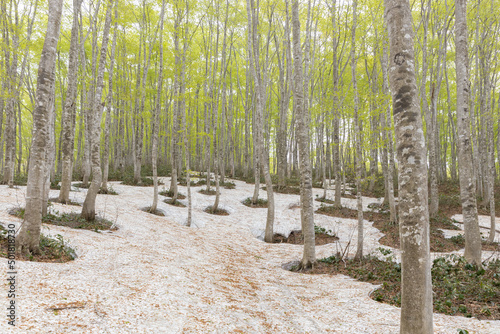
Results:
28 239
88 209
306 198
156 117
416 283
69 110
465 158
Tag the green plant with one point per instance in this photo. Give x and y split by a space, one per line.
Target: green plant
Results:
322 230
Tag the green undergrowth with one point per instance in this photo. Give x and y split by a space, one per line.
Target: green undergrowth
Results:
170 193
260 203
52 249
72 220
458 287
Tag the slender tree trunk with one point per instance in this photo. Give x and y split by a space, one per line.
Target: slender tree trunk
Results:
110 107
359 159
156 117
387 133
465 161
306 198
416 283
88 209
28 239
69 110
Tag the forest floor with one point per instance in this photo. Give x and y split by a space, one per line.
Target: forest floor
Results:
155 275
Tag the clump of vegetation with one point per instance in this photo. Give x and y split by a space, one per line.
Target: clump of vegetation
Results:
51 249
72 220
325 200
176 203
145 181
170 193
219 211
260 203
81 185
322 236
156 212
56 200
228 185
108 191
459 288
54 184
208 192
291 190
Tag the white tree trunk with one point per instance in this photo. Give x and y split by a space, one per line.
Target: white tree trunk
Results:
306 198
88 209
465 160
28 238
416 283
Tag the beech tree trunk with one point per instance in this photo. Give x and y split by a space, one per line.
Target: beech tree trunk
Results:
359 158
388 144
28 239
416 283
306 198
110 107
156 117
88 209
465 158
69 110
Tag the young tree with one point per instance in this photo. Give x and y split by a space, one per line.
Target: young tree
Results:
28 239
416 284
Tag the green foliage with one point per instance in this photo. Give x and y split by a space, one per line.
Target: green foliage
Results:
321 230
260 203
57 247
459 288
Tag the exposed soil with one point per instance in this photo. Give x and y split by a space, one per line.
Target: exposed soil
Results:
438 242
466 291
297 238
325 200
219 211
341 212
286 190
450 203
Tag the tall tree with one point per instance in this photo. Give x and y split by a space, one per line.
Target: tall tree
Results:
88 209
28 239
359 155
465 161
416 284
69 110
306 198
